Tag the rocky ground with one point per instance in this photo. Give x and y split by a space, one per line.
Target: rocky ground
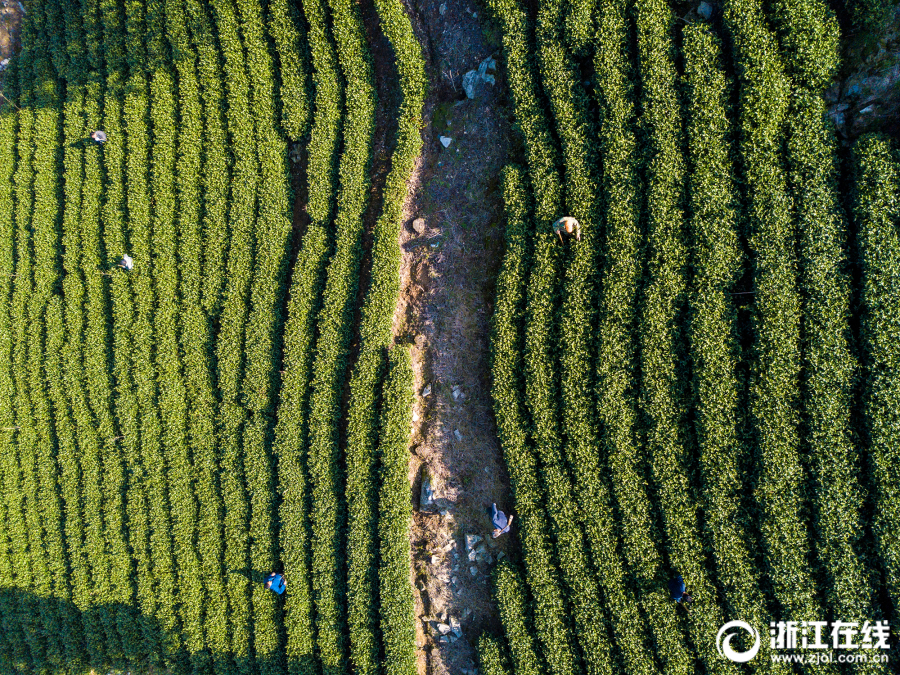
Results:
866 93
11 12
453 247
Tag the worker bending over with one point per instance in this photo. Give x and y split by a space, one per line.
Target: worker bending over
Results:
570 225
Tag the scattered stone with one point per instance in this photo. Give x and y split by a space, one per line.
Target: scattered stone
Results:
501 556
443 628
426 497
705 10
471 540
426 391
455 627
435 560
458 435
454 580
449 547
3 64
443 8
444 639
473 78
419 225
446 141
473 554
473 570
415 416
456 393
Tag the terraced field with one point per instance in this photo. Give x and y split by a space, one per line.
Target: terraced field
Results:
202 378
171 430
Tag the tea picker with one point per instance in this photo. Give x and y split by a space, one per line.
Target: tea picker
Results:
679 590
99 137
500 521
275 582
568 225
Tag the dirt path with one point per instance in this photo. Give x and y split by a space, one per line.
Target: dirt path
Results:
11 13
450 262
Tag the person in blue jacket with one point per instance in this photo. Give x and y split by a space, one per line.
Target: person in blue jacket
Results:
679 591
275 582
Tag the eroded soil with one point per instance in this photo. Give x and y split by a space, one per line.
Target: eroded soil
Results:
450 262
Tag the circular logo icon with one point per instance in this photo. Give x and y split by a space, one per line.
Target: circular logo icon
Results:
723 642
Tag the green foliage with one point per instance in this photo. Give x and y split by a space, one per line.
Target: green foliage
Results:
579 25
810 40
10 532
716 260
507 390
202 255
568 104
395 604
663 396
619 185
106 41
299 342
287 31
869 16
374 336
334 321
490 656
543 155
775 361
875 213
510 596
828 364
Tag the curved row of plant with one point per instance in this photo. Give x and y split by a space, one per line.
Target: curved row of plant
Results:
617 297
507 338
65 365
202 252
26 308
105 39
395 603
365 517
145 169
875 212
717 260
827 361
663 398
334 330
543 368
85 66
775 361
291 431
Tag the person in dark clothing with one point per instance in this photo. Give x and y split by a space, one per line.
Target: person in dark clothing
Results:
275 582
500 521
679 591
99 137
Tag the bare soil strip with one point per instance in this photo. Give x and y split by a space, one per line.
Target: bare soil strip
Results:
450 262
